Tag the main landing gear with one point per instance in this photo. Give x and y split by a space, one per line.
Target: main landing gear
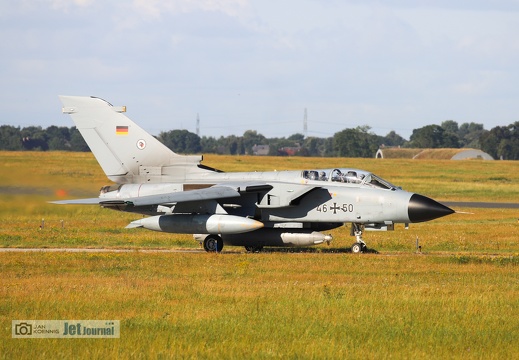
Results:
213 243
360 245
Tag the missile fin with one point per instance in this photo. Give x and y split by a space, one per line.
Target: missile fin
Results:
134 224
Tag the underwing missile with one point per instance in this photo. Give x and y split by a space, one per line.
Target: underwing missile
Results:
313 238
278 237
190 224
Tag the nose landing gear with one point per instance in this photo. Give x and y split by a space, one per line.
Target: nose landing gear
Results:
360 245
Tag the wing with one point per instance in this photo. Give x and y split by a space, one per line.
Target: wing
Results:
211 193
89 201
216 192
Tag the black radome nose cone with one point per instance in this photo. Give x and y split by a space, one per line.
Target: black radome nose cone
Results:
421 208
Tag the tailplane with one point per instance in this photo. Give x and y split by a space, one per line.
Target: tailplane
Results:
126 152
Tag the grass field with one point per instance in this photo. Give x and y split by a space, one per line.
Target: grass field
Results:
458 299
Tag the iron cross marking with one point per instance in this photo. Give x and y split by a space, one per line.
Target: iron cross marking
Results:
335 208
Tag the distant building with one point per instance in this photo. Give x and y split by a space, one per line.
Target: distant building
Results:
440 154
260 150
289 150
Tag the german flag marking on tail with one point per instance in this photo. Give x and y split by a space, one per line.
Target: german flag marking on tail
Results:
121 130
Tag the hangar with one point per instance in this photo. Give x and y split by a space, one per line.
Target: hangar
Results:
440 154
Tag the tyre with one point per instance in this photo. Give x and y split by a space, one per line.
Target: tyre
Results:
213 243
357 248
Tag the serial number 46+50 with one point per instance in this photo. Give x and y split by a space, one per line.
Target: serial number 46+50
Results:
335 208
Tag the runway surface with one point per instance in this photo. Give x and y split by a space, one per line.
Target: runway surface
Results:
461 204
484 205
86 250
231 250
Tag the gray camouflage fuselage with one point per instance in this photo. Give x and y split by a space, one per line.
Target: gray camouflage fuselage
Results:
254 209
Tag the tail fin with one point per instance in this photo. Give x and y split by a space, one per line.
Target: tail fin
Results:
126 152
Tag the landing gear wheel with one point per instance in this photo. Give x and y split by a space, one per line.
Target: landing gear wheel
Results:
360 245
254 249
213 243
358 248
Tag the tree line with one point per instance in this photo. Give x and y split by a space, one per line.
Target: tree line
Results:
501 142
35 138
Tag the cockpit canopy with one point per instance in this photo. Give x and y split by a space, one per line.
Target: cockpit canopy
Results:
348 176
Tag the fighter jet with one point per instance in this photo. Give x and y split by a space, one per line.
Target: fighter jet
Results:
250 209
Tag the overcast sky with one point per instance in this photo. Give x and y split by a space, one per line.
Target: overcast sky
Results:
257 64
